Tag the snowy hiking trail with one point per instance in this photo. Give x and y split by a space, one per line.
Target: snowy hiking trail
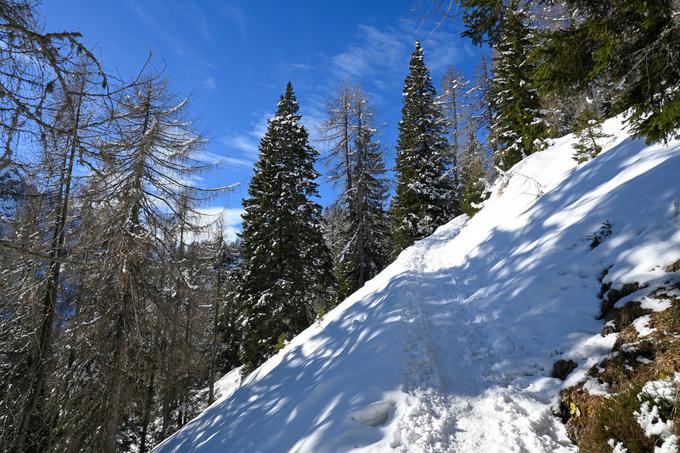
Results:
450 348
441 377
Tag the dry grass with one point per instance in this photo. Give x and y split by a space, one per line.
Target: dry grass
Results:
592 420
673 267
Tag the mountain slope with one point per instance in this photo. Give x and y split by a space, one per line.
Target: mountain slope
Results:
450 348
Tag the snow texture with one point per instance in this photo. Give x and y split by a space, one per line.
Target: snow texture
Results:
450 348
228 384
641 325
663 391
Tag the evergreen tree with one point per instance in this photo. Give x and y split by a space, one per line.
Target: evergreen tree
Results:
454 103
364 251
424 194
629 43
286 276
335 223
518 126
484 108
473 171
589 133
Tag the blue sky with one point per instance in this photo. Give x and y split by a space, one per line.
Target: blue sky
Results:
235 57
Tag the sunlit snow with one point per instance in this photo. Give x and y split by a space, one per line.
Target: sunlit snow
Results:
450 348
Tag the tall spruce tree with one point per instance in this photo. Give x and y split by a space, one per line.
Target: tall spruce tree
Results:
424 193
473 173
484 107
518 127
454 101
286 276
364 252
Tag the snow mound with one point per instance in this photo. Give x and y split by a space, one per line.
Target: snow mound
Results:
450 348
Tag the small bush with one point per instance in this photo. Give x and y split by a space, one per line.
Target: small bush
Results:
280 342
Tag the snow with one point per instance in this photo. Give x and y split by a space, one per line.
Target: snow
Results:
617 447
655 304
641 325
450 348
595 387
228 384
663 391
670 445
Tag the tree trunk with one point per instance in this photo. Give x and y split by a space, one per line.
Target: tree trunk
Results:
119 365
216 314
146 416
131 263
52 285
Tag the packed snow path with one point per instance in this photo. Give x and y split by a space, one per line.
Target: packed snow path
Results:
455 398
450 348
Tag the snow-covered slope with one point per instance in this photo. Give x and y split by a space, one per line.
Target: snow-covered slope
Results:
450 348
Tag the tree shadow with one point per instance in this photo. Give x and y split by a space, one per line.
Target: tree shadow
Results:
521 299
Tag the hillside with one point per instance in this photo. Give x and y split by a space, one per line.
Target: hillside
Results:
451 347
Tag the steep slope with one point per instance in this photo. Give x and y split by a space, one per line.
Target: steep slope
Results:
450 348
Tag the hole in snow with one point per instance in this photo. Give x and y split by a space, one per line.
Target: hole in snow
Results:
375 414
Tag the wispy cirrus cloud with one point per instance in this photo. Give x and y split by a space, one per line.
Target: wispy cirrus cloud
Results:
376 51
380 56
166 32
243 142
208 83
299 67
236 16
210 157
247 143
212 218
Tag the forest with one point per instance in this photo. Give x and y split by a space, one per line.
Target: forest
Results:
120 309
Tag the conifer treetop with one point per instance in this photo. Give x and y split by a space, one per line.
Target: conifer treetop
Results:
288 103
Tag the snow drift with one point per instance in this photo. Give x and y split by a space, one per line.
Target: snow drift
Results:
450 348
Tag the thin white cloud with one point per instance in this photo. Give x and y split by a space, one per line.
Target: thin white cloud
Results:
313 117
299 67
214 158
166 33
196 18
209 221
377 51
208 83
235 161
247 142
385 53
236 16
